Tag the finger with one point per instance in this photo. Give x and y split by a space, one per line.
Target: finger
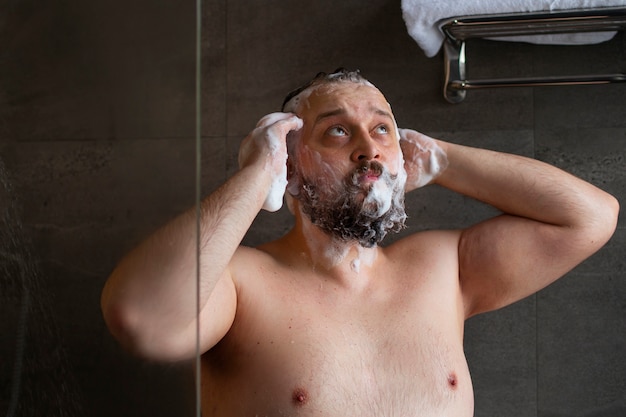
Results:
406 133
273 118
286 125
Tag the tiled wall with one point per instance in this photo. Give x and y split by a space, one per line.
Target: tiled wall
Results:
97 124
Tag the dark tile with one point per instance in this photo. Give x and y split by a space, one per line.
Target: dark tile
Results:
604 58
498 59
75 70
83 204
47 74
261 73
596 155
213 81
580 106
147 66
214 161
88 202
581 342
585 106
269 226
500 350
110 381
305 39
513 141
421 103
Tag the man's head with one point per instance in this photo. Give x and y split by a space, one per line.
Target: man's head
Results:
346 169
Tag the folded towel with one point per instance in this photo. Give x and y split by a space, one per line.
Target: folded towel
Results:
423 17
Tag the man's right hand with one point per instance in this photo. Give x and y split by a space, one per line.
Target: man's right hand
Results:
267 144
424 160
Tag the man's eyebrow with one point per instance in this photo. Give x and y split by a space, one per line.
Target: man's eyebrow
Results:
381 112
340 111
331 113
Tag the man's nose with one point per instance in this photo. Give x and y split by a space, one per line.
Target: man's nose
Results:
366 148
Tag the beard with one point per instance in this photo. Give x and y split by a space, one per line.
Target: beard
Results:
351 212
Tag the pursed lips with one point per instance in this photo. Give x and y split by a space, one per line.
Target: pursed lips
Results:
368 173
369 176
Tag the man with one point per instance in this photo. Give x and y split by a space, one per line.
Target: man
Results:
324 321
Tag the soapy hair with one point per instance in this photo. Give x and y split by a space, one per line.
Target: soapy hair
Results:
339 75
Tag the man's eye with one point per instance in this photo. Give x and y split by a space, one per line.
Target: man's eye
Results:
382 129
337 131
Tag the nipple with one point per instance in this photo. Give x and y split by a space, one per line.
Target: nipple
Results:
299 397
452 381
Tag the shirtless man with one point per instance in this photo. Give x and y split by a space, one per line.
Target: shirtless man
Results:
324 321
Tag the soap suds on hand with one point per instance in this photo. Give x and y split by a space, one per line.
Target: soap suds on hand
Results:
274 200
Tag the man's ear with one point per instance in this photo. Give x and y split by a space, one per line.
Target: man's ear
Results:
291 203
293 180
292 185
290 168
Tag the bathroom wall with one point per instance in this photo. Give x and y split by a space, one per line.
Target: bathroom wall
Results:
97 124
96 136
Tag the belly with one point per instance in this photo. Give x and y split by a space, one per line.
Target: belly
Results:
333 372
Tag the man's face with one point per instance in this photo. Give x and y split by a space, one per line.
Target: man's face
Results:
347 169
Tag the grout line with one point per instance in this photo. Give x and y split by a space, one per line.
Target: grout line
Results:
226 55
536 355
198 126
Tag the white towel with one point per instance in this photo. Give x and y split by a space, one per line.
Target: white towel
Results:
422 18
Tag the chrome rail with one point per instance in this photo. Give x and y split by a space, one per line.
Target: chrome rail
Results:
459 29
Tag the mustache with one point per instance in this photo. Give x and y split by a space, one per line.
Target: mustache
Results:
373 167
370 166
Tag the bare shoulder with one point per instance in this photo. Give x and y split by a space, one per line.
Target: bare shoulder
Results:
433 244
428 257
428 265
248 260
254 263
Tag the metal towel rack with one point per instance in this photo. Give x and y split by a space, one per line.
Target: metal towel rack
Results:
459 29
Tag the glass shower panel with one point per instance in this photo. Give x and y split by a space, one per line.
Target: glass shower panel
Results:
97 151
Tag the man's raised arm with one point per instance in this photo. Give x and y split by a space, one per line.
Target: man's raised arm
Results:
552 220
149 300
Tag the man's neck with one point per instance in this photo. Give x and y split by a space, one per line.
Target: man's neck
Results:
340 258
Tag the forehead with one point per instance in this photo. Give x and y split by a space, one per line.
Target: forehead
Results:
343 95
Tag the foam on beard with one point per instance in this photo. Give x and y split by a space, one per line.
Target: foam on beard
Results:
381 193
341 206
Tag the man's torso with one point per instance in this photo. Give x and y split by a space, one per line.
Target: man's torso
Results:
303 345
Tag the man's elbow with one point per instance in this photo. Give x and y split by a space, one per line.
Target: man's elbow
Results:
119 325
139 338
611 216
602 222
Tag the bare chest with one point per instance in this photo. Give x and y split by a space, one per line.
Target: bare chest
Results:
289 354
